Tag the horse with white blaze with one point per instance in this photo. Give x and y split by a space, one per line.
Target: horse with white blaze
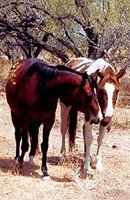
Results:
108 85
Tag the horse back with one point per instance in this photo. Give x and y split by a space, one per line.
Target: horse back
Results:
22 90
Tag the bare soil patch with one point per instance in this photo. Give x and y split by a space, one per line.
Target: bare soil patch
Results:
111 184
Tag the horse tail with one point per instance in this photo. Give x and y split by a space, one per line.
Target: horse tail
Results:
72 127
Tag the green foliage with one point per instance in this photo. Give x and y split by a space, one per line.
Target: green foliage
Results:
60 7
110 12
109 17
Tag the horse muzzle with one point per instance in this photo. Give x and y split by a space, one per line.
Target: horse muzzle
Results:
106 121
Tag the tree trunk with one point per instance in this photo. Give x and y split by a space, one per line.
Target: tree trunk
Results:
92 35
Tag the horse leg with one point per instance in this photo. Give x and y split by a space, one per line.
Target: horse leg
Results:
87 133
64 125
24 146
18 138
44 145
33 131
18 135
102 130
72 128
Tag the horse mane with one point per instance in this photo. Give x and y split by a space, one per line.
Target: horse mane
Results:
49 70
42 68
65 68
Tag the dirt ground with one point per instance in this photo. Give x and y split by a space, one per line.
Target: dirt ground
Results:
111 184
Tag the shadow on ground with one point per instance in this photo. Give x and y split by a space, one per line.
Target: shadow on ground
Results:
7 165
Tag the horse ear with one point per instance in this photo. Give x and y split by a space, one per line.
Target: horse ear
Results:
121 72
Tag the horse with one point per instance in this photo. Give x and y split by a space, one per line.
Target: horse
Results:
108 86
32 91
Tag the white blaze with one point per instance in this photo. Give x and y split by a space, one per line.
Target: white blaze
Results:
109 87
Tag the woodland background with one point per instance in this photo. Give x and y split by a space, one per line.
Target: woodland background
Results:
56 30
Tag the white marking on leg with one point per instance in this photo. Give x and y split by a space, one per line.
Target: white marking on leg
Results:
99 165
100 115
109 87
88 138
64 125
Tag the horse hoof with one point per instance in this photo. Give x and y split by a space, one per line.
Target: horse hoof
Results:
99 166
45 176
63 151
44 171
16 157
96 163
93 162
17 160
85 173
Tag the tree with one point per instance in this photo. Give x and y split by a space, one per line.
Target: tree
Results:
29 27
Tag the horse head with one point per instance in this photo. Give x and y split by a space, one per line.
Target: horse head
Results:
108 89
89 97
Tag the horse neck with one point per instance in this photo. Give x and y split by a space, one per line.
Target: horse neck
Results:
66 86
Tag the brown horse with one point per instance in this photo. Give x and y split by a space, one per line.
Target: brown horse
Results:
32 92
108 87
